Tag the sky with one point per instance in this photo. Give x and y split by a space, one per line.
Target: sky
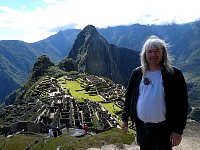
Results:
34 20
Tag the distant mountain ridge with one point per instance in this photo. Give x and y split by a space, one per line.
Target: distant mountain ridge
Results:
57 46
184 39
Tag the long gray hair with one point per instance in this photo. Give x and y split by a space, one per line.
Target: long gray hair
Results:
155 42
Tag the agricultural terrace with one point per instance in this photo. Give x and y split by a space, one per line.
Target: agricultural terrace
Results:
77 89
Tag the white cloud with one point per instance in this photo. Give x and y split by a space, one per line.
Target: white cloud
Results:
100 13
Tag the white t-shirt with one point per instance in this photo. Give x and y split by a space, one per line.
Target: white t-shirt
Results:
151 102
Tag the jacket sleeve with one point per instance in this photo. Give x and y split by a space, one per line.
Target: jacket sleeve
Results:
128 96
179 105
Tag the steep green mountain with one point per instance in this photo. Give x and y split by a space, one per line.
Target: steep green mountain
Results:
16 58
42 67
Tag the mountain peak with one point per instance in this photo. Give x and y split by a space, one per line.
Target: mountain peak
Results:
40 68
88 35
88 32
90 29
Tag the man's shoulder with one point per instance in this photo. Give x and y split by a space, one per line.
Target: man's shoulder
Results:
138 69
176 69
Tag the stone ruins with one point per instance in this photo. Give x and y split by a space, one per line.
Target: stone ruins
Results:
50 107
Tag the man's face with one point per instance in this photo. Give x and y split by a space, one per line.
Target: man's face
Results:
154 56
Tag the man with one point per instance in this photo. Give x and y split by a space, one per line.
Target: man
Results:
156 99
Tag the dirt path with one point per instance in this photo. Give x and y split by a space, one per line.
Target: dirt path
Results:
191 137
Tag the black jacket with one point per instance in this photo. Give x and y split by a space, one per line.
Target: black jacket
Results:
176 98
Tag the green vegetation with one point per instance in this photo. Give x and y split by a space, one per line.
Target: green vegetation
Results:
77 90
18 142
68 64
31 90
2 141
1 121
111 108
66 142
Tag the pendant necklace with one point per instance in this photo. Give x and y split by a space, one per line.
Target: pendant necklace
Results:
146 81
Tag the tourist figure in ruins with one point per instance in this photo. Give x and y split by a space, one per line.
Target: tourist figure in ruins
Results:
156 99
50 133
85 128
67 126
80 126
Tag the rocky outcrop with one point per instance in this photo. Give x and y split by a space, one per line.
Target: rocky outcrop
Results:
40 68
68 65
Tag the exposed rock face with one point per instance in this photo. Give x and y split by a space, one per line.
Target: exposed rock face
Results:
95 55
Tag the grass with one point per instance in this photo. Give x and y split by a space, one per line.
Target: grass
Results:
66 142
19 142
2 142
114 136
63 141
77 91
110 107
